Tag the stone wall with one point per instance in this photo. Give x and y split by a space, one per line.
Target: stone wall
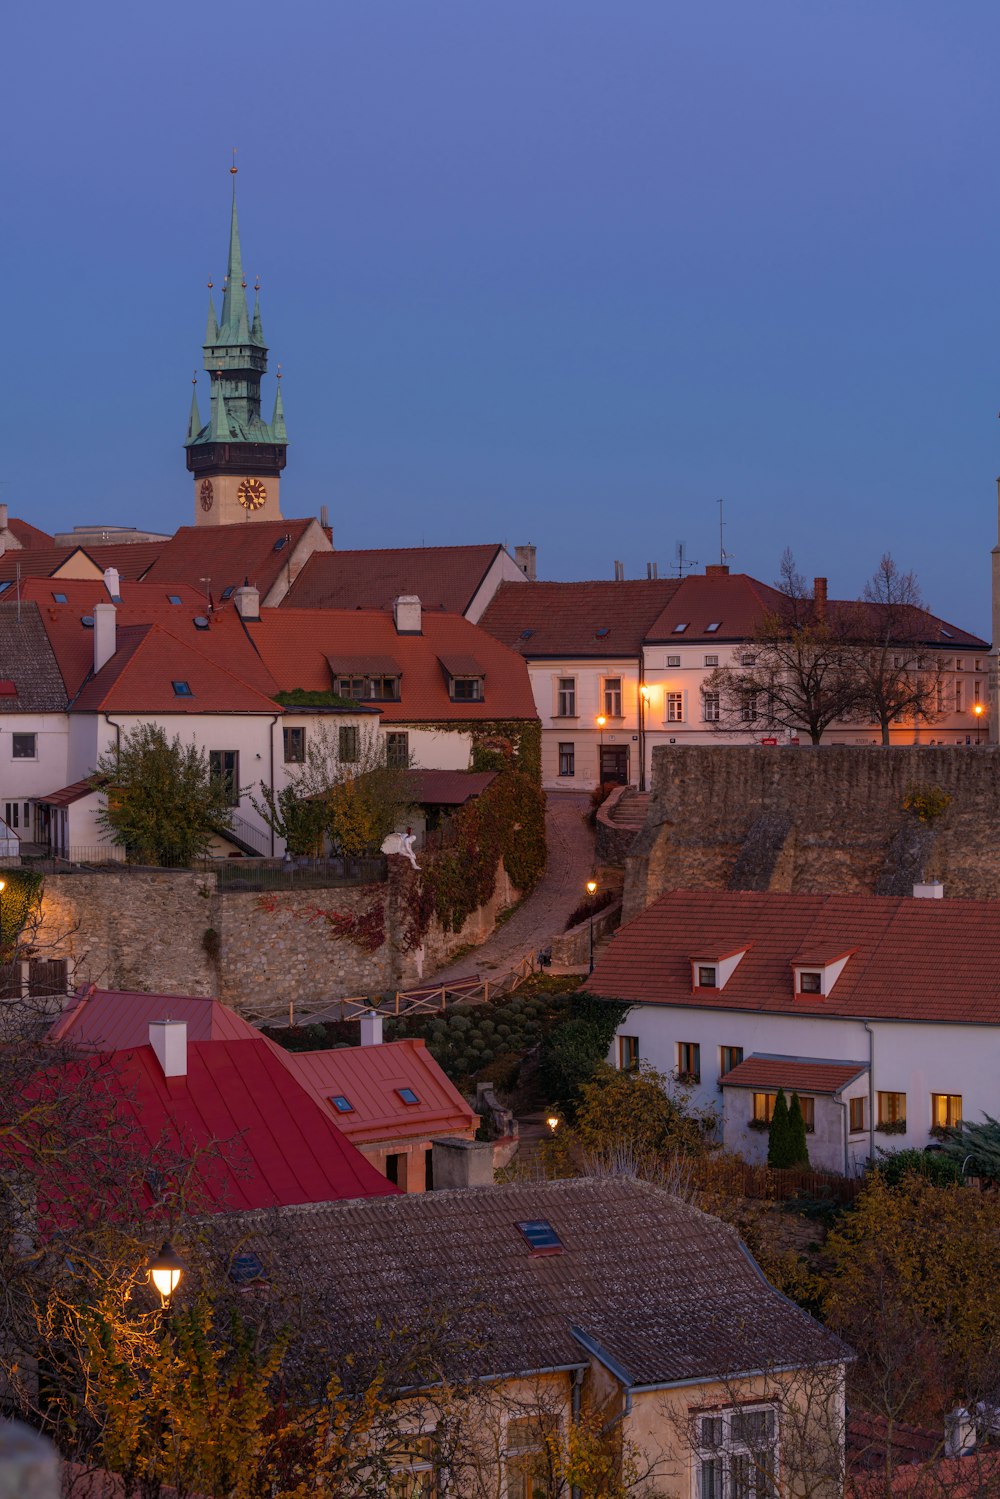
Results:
173 932
829 818
612 841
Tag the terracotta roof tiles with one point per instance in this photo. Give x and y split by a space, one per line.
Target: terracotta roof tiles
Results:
229 554
139 678
794 1074
441 577
597 619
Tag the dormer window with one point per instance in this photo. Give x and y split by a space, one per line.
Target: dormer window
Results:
816 973
465 677
810 981
715 972
466 689
373 679
708 976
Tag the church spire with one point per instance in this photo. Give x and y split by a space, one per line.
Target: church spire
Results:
194 420
211 326
235 325
278 432
257 331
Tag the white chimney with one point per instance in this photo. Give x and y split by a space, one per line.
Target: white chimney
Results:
406 612
929 890
371 1029
105 634
959 1432
112 582
169 1039
248 602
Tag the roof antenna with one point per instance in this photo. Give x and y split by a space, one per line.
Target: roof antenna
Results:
681 562
724 556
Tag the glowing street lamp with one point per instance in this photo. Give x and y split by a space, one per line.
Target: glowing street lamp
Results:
553 1122
166 1270
601 721
977 709
643 705
591 891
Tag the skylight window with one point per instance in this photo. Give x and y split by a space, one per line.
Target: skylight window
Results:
173 598
408 1095
227 593
341 1104
715 625
4 587
527 634
182 689
541 1237
281 542
679 629
246 1268
59 598
947 632
603 631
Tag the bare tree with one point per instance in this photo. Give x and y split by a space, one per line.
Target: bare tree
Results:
898 676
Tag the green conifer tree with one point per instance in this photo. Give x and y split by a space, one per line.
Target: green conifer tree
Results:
798 1146
777 1135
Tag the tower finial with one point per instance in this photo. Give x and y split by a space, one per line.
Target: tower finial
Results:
234 168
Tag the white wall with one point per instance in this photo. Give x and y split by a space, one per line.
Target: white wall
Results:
46 772
503 569
582 731
909 1058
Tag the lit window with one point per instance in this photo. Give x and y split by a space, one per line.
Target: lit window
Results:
408 1095
688 1062
628 1053
567 760
729 1057
946 1110
808 1107
341 1104
892 1108
856 1110
763 1107
182 689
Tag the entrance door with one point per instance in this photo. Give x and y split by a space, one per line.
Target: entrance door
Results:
614 764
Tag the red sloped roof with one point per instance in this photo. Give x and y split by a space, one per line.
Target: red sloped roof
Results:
441 577
83 593
228 554
280 1147
28 535
295 645
924 960
369 1076
794 1074
112 1019
67 795
139 679
447 788
131 559
564 618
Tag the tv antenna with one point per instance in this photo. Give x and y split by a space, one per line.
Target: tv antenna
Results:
724 556
681 563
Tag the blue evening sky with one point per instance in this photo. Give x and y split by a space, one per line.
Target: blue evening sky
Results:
561 271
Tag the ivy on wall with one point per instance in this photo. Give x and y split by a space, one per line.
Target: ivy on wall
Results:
20 900
500 743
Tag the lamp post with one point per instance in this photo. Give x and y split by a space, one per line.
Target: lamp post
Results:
165 1271
978 710
643 702
601 721
591 891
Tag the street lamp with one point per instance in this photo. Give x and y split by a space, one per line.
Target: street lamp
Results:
601 721
978 710
643 704
591 891
166 1270
553 1122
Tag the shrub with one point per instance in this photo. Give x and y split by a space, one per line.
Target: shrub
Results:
895 1165
779 1141
590 906
798 1146
573 1052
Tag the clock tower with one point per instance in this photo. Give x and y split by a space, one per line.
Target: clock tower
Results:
236 458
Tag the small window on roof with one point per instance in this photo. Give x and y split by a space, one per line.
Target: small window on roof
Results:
711 629
707 976
182 689
407 1095
810 981
527 634
679 629
227 593
282 541
541 1236
604 630
947 632
5 586
59 598
246 1268
341 1104
173 598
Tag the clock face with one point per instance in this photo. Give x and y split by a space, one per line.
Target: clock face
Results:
206 494
251 494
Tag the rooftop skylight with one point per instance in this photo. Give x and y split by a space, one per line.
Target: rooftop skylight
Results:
341 1104
541 1237
711 629
182 689
679 629
173 598
407 1095
59 598
246 1268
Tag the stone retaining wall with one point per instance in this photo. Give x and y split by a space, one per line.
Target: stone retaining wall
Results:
612 841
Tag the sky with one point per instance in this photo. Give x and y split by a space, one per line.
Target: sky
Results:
554 271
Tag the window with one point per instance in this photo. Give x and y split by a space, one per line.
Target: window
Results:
341 1104
711 660
958 697
856 1110
407 1095
567 760
182 689
673 660
763 1107
946 1110
173 598
347 744
397 750
59 598
892 1108
414 1477
613 697
679 629
24 746
939 695
224 765
736 1455
628 1053
713 627
566 698
383 689
708 976
48 977
295 746
748 659
810 981
530 1441
467 689
395 1170
689 1061
729 1057
978 692
748 707
710 706
808 1107
352 687
675 707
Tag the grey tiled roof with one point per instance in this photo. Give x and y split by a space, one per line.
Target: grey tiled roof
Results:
667 1292
26 659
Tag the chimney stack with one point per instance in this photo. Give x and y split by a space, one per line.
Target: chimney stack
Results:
112 581
168 1038
525 558
619 572
406 613
717 570
819 598
3 517
929 890
371 1029
462 1163
324 517
105 634
959 1432
247 601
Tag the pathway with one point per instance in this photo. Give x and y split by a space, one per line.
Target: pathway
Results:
561 888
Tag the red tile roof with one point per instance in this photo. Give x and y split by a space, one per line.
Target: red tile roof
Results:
441 577
564 618
296 646
229 554
139 677
369 1077
112 1019
279 1146
922 960
67 795
794 1074
28 535
131 559
447 788
81 594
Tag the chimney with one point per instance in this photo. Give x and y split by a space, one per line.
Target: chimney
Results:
619 572
247 601
525 559
461 1163
324 517
169 1039
406 613
105 634
717 570
959 1433
112 582
819 598
928 890
371 1029
3 517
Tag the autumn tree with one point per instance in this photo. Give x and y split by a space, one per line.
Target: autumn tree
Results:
898 676
162 803
637 1121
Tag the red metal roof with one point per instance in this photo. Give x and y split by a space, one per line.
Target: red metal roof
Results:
925 960
369 1077
564 618
441 577
794 1074
295 645
113 1019
279 1146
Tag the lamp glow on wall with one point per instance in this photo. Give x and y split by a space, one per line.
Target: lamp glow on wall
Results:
166 1270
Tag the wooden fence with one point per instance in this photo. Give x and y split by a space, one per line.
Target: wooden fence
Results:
741 1179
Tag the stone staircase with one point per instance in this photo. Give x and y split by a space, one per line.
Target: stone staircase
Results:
630 810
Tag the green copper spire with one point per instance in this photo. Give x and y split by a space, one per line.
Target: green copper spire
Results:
211 327
194 421
278 432
219 422
235 317
257 331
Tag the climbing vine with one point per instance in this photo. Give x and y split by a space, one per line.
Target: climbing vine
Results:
366 929
21 898
501 743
